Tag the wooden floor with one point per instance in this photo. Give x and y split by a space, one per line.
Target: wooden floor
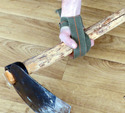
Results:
91 84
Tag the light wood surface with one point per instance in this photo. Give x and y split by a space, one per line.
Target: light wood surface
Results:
58 52
91 84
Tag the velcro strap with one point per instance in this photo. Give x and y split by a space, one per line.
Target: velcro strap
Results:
77 33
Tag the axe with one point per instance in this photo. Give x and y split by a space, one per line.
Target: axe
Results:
35 95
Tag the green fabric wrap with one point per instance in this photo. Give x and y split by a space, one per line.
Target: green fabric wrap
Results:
77 33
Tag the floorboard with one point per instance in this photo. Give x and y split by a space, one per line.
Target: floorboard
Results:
91 84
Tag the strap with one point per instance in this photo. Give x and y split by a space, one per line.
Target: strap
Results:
77 33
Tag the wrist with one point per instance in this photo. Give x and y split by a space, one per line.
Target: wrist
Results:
71 8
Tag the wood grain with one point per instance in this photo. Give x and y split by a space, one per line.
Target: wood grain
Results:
96 73
85 96
12 107
92 84
10 102
50 56
41 10
19 51
45 33
28 30
108 5
108 46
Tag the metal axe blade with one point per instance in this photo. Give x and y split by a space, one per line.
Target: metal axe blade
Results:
35 95
48 57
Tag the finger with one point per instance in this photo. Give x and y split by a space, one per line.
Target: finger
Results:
92 42
68 41
71 43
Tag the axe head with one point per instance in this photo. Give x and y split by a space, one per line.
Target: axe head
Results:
35 95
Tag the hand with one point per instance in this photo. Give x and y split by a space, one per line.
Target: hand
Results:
70 8
65 37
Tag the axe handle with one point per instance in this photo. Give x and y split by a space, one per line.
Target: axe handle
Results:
60 51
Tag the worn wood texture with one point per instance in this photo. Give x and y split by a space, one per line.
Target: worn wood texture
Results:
91 84
52 55
60 51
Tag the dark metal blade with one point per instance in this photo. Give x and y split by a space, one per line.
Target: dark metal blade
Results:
35 95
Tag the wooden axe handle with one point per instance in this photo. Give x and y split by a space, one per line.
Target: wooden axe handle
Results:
60 51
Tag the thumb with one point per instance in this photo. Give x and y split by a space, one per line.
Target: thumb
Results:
68 41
